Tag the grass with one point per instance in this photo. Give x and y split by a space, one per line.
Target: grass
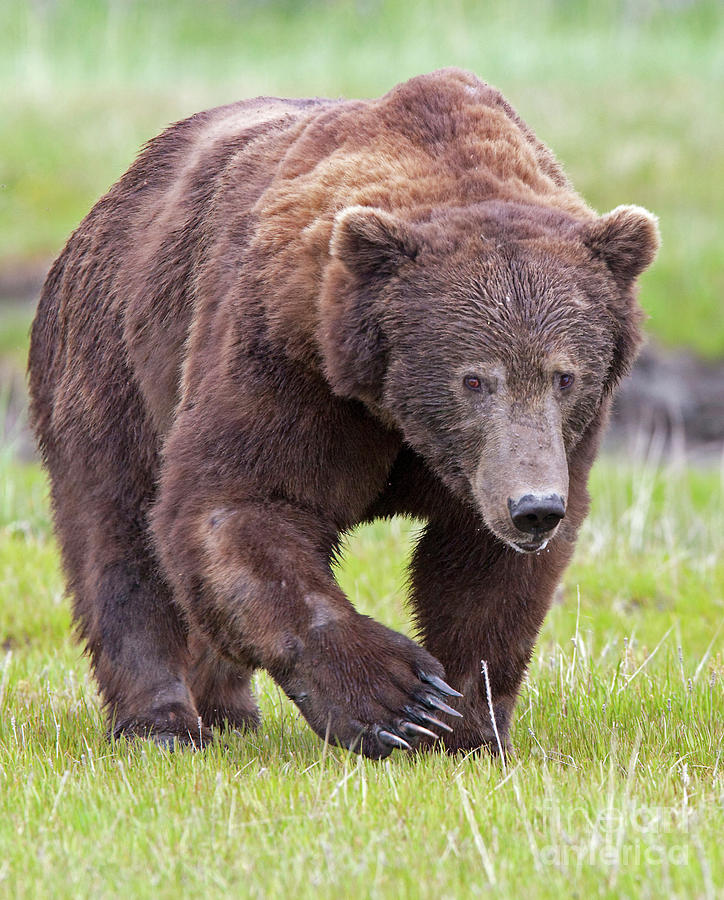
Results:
624 92
15 322
615 788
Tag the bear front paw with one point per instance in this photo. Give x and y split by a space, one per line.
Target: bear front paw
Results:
371 689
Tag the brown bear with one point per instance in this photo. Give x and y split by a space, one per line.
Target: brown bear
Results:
293 316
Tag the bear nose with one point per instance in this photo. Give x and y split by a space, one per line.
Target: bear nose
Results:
534 513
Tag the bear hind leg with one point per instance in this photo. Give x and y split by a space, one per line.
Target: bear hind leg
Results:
124 610
140 659
222 690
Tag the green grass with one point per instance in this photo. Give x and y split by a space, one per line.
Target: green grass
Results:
626 94
615 788
15 320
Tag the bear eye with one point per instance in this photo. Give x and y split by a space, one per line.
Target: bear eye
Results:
472 383
565 380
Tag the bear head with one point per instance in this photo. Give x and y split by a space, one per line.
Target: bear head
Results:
490 336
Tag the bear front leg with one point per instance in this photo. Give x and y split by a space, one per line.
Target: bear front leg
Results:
254 578
476 600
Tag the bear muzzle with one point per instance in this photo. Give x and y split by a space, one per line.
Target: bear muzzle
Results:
536 516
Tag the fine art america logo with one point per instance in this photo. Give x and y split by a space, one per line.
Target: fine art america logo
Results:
617 838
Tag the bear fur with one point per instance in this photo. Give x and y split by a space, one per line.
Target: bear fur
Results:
293 316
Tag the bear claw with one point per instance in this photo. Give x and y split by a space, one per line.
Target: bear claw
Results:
417 731
436 703
392 740
440 686
421 716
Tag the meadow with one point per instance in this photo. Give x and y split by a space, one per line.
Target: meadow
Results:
615 787
627 92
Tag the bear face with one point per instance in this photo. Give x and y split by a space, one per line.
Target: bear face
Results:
490 337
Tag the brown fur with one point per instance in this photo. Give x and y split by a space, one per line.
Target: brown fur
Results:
260 337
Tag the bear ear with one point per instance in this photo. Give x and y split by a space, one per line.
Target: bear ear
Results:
626 239
370 241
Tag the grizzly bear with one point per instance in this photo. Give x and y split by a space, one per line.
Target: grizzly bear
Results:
290 317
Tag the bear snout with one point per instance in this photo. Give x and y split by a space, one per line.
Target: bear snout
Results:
537 514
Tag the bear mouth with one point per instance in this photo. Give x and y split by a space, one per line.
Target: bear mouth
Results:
528 546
